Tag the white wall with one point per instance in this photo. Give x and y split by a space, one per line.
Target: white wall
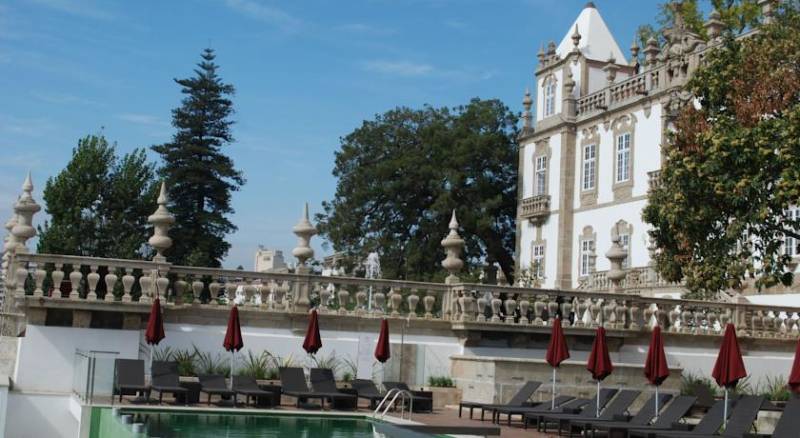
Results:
40 416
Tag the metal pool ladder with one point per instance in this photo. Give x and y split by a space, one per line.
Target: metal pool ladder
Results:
394 393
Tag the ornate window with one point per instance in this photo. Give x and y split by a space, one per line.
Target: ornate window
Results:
791 245
541 175
624 147
537 262
549 96
589 167
586 263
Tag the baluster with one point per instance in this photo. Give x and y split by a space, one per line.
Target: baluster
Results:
57 276
781 324
378 302
538 310
609 314
111 282
230 291
596 315
92 279
343 296
213 291
524 307
768 323
180 287
468 304
483 304
75 281
428 302
634 313
325 295
361 301
413 301
511 307
495 308
22 277
674 316
552 310
699 317
162 283
725 318
686 318
566 309
712 321
396 300
249 293
145 284
794 329
128 281
38 278
621 310
649 311
197 291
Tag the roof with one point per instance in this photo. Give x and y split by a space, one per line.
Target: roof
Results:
596 40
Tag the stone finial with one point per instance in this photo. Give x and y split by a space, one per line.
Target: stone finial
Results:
651 51
527 117
616 255
551 49
714 24
162 220
611 68
576 39
540 55
24 209
569 85
453 245
767 10
634 52
304 232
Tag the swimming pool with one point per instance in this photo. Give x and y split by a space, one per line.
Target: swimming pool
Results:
106 423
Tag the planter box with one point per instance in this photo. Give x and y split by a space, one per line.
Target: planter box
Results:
444 396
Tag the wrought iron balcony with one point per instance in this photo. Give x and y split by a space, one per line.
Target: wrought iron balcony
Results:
654 179
535 208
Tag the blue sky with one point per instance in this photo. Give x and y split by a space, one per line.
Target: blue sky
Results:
306 73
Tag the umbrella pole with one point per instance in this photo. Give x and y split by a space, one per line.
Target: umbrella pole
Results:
656 416
725 410
553 401
598 399
233 352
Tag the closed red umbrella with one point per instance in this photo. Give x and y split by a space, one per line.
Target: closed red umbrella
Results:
312 342
233 337
557 352
794 376
599 363
729 368
382 353
155 324
655 366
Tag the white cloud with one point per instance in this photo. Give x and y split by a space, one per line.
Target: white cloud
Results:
265 13
81 8
63 98
142 119
366 29
399 68
26 126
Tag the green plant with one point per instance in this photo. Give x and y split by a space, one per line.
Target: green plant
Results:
774 388
690 382
185 360
347 377
255 366
206 363
440 382
744 387
349 366
163 354
330 362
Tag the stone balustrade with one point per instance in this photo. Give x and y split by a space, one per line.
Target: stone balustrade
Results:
57 281
535 207
637 280
654 179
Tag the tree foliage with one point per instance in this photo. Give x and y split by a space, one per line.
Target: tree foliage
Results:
99 203
401 175
199 176
732 168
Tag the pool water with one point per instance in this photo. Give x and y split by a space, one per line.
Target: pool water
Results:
174 424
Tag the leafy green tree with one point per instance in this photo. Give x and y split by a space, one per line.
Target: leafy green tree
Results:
199 176
401 174
732 169
98 205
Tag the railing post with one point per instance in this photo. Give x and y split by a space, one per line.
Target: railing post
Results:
302 286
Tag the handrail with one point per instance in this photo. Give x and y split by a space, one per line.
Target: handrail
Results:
405 394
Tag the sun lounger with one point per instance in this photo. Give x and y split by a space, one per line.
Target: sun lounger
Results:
740 421
533 415
367 389
709 424
323 381
642 418
618 406
789 423
165 378
589 411
293 384
129 378
521 398
248 387
215 384
672 413
422 400
511 411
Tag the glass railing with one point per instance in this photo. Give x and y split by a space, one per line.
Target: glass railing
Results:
93 374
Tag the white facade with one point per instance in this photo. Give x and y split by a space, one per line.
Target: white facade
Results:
270 260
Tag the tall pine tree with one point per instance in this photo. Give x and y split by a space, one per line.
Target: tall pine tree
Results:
199 176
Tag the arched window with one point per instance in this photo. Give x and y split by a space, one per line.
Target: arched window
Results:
549 96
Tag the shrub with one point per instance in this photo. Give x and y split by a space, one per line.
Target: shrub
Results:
163 354
775 389
690 382
255 366
440 382
206 363
330 362
185 360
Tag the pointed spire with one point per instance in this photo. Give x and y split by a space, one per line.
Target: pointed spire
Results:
162 194
651 52
576 39
527 117
162 221
714 25
304 232
540 55
611 69
452 245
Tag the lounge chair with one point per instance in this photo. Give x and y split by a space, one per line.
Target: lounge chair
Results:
521 398
248 387
367 389
165 378
322 381
542 407
588 411
215 384
709 424
617 407
672 413
642 418
789 423
293 384
422 401
129 378
532 415
740 421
